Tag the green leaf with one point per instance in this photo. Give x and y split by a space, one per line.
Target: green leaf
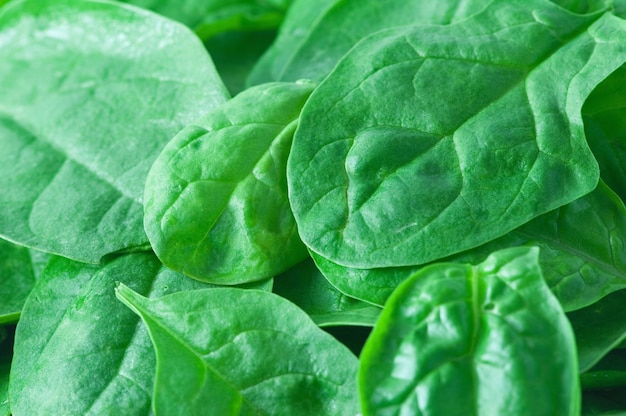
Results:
235 53
309 43
429 140
216 197
307 287
5 366
458 339
244 352
91 100
211 17
582 254
78 351
16 280
604 114
599 328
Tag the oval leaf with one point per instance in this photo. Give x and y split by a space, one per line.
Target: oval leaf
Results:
428 140
491 336
96 90
216 197
229 352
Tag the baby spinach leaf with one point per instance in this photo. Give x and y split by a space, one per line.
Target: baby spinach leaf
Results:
78 351
309 44
216 205
228 351
604 113
490 336
92 99
488 136
307 287
599 328
582 254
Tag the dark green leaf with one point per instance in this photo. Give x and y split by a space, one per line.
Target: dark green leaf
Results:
599 328
233 352
487 137
216 197
307 287
457 339
309 42
211 17
91 98
6 347
78 351
605 125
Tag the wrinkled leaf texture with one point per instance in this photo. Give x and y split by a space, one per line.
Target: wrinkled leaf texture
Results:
216 205
488 136
457 339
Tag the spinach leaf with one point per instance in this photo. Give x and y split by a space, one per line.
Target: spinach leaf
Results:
228 351
599 328
307 287
216 204
91 100
211 17
78 351
581 257
309 44
491 336
488 136
17 278
604 113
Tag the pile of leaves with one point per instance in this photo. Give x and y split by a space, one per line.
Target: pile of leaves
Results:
329 207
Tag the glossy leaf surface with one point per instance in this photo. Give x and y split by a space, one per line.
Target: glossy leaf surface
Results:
227 351
488 136
307 287
92 99
309 44
582 254
491 336
78 351
216 197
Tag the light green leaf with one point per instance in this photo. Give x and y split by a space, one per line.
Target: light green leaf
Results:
78 351
316 34
457 339
233 352
216 204
95 90
429 140
582 254
604 114
599 328
307 287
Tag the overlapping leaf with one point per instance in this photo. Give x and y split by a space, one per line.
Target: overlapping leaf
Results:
88 99
216 197
78 350
227 351
309 44
488 136
459 339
